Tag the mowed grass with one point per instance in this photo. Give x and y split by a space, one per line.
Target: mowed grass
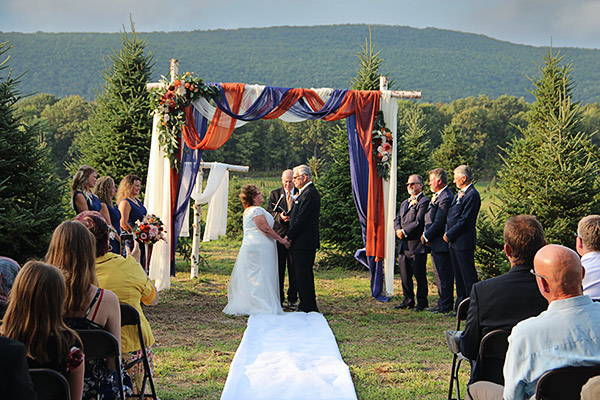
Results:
392 354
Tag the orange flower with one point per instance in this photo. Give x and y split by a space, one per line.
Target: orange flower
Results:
187 85
192 87
177 83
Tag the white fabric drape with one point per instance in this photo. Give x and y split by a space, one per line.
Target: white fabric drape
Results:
289 357
216 194
157 201
389 106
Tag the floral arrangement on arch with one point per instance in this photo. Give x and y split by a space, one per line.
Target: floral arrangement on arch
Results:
150 230
382 147
169 100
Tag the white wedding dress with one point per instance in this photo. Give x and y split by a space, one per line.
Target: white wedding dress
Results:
254 283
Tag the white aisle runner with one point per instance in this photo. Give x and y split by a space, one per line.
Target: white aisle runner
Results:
290 356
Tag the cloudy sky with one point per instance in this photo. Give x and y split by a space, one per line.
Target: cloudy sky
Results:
574 23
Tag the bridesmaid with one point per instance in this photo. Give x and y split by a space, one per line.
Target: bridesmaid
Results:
131 208
81 190
106 190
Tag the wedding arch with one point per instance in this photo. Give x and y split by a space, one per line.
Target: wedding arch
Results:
168 189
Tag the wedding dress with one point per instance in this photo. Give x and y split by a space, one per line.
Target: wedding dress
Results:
254 283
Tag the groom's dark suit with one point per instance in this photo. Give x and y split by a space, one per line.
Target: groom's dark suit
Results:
284 256
462 236
304 235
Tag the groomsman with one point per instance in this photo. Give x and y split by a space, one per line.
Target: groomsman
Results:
435 224
280 205
304 236
412 254
461 234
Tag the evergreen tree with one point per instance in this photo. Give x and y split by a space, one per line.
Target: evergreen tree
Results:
339 223
414 146
552 171
30 193
118 140
454 150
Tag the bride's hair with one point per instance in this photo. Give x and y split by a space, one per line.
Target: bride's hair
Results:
247 195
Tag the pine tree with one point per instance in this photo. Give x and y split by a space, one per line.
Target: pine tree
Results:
552 170
414 145
30 193
118 140
339 223
454 150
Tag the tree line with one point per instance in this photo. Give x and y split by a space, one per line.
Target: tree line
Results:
505 139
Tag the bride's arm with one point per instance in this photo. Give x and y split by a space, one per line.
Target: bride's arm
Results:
263 225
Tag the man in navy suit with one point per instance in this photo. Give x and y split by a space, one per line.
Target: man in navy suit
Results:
304 236
412 254
280 207
435 224
461 234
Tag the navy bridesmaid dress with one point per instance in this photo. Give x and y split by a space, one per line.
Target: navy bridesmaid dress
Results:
137 213
93 202
115 218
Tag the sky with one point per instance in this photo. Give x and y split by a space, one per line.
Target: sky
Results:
561 23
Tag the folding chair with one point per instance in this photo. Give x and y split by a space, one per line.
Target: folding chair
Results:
130 316
102 344
49 384
564 383
492 352
461 315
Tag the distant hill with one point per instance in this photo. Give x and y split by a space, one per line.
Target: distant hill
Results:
445 65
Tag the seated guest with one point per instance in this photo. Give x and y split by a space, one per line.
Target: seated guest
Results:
501 302
82 197
587 245
34 318
73 250
565 335
14 373
106 190
126 278
8 272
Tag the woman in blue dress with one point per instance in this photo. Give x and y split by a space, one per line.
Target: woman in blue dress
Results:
106 190
132 209
82 197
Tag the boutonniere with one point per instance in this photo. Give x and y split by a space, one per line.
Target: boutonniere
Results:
434 198
413 201
459 196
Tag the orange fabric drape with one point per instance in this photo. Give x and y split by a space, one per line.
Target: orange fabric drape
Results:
221 126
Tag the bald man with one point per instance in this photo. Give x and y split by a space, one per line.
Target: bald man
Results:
565 335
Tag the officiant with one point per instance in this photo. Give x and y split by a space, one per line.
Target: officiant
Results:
280 205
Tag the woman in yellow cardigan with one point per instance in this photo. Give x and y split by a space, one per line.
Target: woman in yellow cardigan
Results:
127 279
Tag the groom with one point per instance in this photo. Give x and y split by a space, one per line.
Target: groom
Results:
304 236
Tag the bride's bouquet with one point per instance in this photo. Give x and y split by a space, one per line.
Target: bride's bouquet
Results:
150 230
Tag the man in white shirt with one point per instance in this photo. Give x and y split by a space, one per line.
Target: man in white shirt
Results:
587 245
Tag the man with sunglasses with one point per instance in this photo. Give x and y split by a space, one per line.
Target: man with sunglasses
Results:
412 254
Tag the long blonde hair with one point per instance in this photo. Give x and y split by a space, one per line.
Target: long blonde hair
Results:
73 250
126 187
103 189
35 312
81 178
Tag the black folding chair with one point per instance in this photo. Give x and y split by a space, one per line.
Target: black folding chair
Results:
492 353
99 344
130 316
457 358
49 384
564 383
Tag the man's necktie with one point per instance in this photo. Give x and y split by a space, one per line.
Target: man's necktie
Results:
288 199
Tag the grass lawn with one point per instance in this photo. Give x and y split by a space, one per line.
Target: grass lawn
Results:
391 354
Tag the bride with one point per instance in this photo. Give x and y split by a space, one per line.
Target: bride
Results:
254 283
